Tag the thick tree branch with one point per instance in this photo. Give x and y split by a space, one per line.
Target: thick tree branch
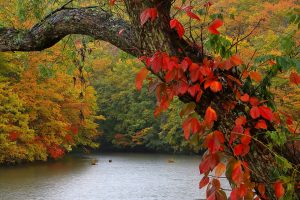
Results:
94 22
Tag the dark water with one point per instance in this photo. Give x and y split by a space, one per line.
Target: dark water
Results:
127 177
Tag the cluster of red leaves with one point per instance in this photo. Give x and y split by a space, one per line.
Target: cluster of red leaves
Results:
56 151
13 136
185 77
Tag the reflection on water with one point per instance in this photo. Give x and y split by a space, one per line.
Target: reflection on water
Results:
127 177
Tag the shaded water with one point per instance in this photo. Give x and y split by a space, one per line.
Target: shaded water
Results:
127 177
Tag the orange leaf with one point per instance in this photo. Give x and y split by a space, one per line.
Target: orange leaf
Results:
279 189
216 86
261 189
140 77
255 76
295 78
214 26
245 98
236 60
261 124
237 173
240 121
210 116
204 181
220 169
254 112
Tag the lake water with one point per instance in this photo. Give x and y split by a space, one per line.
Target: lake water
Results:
128 177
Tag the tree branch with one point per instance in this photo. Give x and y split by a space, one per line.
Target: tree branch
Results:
93 22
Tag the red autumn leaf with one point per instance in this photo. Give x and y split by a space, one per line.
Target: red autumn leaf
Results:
208 163
279 189
74 130
148 13
295 78
254 101
245 98
220 169
13 136
237 81
266 112
240 121
210 116
246 138
214 141
216 86
214 26
174 23
255 112
204 181
238 149
192 15
193 90
112 2
236 131
140 77
261 124
237 173
261 189
236 60
255 76
183 87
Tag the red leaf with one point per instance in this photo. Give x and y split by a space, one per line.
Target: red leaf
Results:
192 15
214 25
255 76
204 181
238 149
246 138
193 90
183 87
216 86
210 116
208 163
237 173
245 98
262 190
148 13
240 121
254 112
112 2
279 189
266 112
254 101
220 169
261 124
13 136
140 77
236 60
295 78
174 23
214 141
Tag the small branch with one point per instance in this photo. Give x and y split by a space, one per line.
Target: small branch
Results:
246 36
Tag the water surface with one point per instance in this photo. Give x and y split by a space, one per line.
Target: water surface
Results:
128 177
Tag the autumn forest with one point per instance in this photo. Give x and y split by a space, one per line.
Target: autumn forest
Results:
211 86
